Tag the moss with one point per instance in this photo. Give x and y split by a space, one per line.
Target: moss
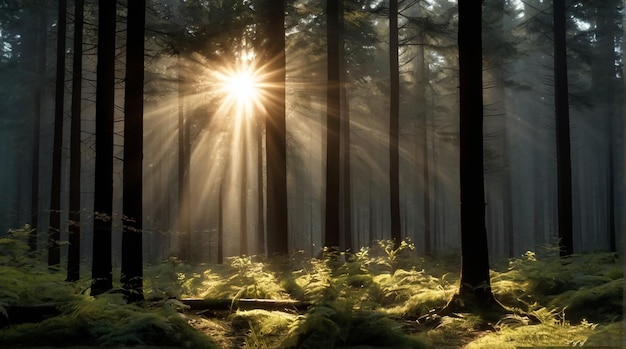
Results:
601 303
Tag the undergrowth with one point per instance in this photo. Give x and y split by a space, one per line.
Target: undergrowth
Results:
369 297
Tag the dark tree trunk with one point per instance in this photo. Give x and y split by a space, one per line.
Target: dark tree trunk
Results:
475 283
39 66
260 184
276 152
333 125
54 231
346 178
243 193
561 111
73 253
132 231
184 156
346 200
394 125
220 225
101 272
422 128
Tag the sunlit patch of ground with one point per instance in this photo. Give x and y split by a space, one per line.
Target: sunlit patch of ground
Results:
220 330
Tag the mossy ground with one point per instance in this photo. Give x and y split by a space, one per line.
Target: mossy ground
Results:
364 298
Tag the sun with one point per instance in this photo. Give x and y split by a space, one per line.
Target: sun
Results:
242 86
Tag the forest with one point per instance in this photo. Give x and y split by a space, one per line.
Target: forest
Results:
312 174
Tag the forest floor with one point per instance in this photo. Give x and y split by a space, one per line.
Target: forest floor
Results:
369 299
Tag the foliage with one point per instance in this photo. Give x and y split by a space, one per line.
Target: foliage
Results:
369 297
105 321
242 277
553 330
588 286
14 250
327 327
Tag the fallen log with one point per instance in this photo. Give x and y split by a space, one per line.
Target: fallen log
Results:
245 304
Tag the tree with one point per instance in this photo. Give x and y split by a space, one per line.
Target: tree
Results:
54 231
132 261
39 67
73 252
561 111
475 286
333 124
101 271
276 152
394 125
345 145
184 161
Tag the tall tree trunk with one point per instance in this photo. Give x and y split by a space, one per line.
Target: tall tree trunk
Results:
220 224
344 115
39 42
422 128
54 231
475 285
73 253
260 186
605 72
101 272
394 125
561 110
184 157
132 231
346 185
243 193
333 125
276 151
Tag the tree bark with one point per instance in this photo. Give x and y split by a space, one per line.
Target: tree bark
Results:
475 284
184 224
346 177
276 152
394 125
39 66
132 231
73 253
333 125
101 272
54 230
561 112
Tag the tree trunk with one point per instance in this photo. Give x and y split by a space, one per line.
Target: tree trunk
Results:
475 286
276 152
394 125
243 193
39 66
333 126
346 182
561 111
73 253
132 231
422 128
54 231
604 78
260 186
103 195
220 224
184 224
